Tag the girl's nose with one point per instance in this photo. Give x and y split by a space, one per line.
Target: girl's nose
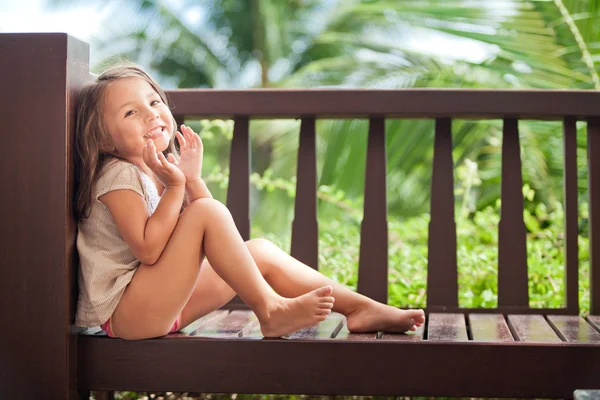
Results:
152 115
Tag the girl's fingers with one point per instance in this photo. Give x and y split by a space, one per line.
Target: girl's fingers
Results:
182 142
188 138
171 158
192 138
163 161
154 155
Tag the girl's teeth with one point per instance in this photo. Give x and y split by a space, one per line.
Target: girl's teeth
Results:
153 133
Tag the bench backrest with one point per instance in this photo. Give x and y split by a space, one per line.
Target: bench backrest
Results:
442 105
40 77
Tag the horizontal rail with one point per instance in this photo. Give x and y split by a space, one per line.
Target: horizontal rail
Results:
362 367
413 103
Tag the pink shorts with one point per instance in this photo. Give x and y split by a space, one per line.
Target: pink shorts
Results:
107 327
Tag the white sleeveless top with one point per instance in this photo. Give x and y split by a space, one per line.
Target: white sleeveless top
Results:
106 264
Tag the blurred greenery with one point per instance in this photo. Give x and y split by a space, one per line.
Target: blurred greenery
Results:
515 44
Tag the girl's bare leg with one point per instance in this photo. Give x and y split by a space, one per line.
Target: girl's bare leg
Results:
291 278
158 293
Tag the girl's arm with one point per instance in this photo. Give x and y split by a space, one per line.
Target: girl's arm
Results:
146 235
197 190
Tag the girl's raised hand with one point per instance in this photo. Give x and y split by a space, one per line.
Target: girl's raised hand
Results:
191 152
166 171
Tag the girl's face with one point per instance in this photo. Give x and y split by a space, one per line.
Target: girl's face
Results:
134 113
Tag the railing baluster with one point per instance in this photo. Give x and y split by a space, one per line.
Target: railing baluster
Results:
305 229
238 192
373 262
594 199
512 250
442 275
571 215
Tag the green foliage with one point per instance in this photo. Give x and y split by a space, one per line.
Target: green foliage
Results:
340 215
477 254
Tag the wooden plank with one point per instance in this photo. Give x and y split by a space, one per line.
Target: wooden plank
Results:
324 330
192 328
442 273
40 79
574 329
428 103
584 394
232 325
594 217
594 320
444 326
247 366
305 228
373 257
532 328
489 328
238 191
407 336
512 250
345 334
571 215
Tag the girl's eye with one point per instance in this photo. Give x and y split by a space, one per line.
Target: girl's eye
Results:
154 102
128 113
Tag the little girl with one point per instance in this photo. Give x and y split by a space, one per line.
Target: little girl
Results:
147 267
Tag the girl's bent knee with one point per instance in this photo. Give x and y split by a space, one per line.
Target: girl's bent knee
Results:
260 244
208 206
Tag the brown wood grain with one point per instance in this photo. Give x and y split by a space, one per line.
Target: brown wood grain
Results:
594 320
418 103
447 327
571 214
489 328
192 328
232 324
324 330
442 275
575 329
512 245
373 254
406 336
305 229
345 334
532 328
238 191
41 77
593 136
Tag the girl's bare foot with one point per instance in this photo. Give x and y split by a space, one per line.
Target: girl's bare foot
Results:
289 315
380 317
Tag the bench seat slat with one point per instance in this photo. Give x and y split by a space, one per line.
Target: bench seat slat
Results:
532 328
408 336
345 334
232 325
594 320
444 326
574 328
191 329
324 330
489 328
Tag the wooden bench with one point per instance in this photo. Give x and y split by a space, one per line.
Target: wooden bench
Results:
510 351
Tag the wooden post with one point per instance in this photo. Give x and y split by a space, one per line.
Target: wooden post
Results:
41 75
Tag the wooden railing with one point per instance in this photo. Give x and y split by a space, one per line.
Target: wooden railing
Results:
443 105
